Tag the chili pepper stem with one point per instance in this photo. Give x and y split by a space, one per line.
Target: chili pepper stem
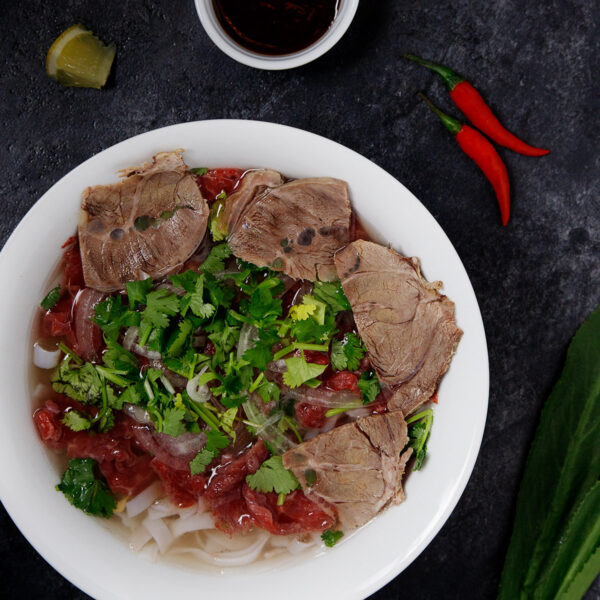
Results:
451 79
453 125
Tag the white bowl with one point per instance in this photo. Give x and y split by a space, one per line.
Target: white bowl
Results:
211 25
81 547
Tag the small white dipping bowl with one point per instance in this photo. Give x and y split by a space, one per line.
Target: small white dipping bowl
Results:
213 28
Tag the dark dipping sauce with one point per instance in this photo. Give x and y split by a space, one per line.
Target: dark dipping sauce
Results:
275 27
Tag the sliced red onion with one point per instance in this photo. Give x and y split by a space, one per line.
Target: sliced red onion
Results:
129 343
267 430
137 413
277 366
45 359
89 337
322 396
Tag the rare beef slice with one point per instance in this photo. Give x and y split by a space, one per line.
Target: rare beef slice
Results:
293 227
146 225
357 467
408 327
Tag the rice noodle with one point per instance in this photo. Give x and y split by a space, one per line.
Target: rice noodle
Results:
194 523
235 558
143 500
160 532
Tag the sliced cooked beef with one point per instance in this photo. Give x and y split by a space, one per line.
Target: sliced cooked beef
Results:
408 327
252 184
295 227
356 467
147 224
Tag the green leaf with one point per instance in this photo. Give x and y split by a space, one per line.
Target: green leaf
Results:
347 353
562 466
418 435
215 440
331 293
268 391
51 298
79 383
199 463
339 360
160 304
369 387
583 579
137 291
272 476
173 424
76 421
179 338
116 357
112 316
199 171
84 491
299 371
578 542
331 538
215 261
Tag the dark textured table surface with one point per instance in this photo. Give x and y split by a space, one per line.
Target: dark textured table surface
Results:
536 280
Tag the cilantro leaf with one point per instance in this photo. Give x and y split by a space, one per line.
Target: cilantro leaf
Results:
51 298
84 491
112 316
347 353
339 360
272 476
199 171
199 463
418 435
160 304
268 391
215 440
331 293
172 421
299 371
116 357
331 538
260 355
369 387
215 261
186 280
137 291
179 338
263 301
79 383
76 421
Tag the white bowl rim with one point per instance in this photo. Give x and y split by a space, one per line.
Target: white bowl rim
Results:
242 55
76 562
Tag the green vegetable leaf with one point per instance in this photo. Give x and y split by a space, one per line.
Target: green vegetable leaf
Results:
272 476
137 291
51 298
160 304
331 293
418 435
347 353
299 371
215 261
84 490
119 359
199 171
215 440
179 338
201 461
173 424
369 387
76 421
562 467
112 316
81 383
331 538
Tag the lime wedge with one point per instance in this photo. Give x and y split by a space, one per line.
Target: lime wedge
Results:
78 58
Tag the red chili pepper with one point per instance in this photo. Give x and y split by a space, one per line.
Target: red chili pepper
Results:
481 151
474 107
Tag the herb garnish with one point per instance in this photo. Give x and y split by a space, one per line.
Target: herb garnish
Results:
51 299
331 538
